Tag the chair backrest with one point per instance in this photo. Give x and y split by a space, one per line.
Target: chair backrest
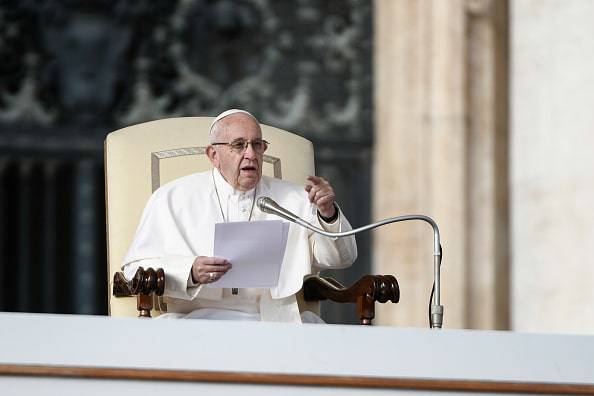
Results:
140 158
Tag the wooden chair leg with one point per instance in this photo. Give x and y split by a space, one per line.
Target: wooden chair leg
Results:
366 309
144 304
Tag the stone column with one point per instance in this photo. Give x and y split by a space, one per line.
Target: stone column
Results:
438 147
488 165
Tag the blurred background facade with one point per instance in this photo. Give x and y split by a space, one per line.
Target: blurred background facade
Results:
475 112
484 121
73 71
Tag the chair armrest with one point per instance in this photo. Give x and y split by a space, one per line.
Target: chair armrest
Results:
365 292
145 284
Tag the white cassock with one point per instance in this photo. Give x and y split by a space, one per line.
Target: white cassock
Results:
177 226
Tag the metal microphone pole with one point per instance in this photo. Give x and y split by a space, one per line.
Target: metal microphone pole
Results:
268 205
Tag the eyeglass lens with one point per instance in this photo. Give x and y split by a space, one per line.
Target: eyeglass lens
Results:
240 145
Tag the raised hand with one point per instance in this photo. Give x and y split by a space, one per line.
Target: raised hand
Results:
321 194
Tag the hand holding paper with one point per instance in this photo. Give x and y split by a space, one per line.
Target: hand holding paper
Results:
255 249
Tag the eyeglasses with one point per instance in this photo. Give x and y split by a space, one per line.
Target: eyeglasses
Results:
240 145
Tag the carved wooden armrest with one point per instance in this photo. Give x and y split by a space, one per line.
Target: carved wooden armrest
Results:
365 292
144 285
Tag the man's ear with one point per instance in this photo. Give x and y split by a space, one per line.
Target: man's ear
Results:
213 156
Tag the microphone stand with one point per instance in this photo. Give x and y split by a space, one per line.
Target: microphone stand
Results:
268 205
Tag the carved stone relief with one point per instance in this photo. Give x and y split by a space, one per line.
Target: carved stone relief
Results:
302 65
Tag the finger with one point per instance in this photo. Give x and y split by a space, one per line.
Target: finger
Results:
214 261
207 278
325 202
317 196
215 274
308 187
323 190
219 261
216 268
315 179
213 266
217 265
312 193
323 193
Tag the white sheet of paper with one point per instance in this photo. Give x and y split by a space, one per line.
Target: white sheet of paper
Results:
255 249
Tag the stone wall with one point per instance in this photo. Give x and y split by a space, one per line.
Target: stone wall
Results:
552 165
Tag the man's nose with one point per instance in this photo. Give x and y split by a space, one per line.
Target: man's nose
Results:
249 151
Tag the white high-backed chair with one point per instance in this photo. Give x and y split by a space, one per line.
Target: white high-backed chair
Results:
140 158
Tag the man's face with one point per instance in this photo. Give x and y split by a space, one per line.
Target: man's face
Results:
242 170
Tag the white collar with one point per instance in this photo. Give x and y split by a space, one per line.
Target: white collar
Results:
225 189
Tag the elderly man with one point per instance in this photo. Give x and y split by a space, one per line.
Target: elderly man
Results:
176 231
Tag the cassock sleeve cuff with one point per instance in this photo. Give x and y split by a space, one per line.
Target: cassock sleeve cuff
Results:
335 226
178 279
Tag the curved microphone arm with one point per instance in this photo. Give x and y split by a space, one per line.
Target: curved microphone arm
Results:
268 205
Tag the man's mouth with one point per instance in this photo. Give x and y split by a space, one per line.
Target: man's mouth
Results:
248 168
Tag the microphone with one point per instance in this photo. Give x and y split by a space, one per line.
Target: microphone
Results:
268 205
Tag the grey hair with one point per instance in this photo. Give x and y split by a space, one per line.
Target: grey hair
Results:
215 131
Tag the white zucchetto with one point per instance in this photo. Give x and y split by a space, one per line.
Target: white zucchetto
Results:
227 113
